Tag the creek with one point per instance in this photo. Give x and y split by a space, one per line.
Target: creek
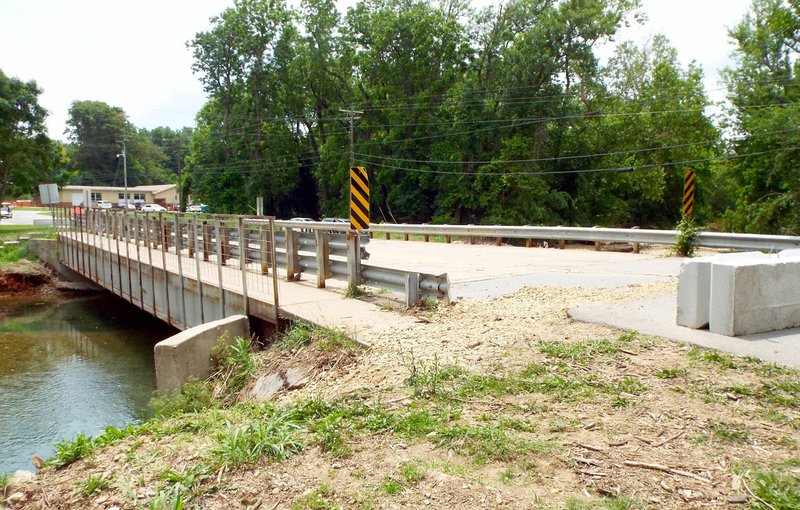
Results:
71 364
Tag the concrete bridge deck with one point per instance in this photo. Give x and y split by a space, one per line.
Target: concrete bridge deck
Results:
158 288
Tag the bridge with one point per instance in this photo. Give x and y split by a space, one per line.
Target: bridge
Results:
188 269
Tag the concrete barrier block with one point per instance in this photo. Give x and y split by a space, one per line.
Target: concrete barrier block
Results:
793 253
749 297
694 287
188 354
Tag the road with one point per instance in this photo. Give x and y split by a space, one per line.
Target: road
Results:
481 271
25 217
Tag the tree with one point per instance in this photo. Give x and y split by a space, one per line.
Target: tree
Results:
96 132
764 90
25 149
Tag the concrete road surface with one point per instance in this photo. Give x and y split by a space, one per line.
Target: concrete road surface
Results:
25 217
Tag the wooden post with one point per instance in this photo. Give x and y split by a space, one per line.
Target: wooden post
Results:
498 241
193 226
274 263
426 237
405 237
291 253
597 246
206 240
353 259
528 243
636 244
448 239
388 236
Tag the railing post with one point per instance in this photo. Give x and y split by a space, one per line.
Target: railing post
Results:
274 264
471 238
162 230
194 224
388 236
323 259
178 239
636 244
206 229
263 248
218 235
126 232
150 263
291 253
223 237
353 259
139 260
412 289
243 264
117 219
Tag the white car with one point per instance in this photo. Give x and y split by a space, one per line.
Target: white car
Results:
197 208
153 208
102 204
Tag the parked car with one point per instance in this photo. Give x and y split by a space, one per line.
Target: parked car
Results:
5 211
102 204
131 206
201 208
153 208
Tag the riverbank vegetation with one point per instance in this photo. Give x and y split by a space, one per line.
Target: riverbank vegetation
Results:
576 421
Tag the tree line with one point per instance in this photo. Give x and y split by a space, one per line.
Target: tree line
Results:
501 115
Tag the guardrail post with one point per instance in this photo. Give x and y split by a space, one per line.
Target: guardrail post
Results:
471 238
597 245
291 253
405 237
353 259
323 260
636 244
412 289
498 241
426 237
448 239
388 236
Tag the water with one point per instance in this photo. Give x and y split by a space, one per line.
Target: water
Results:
70 365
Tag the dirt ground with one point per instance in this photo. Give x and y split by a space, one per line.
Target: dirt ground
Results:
529 409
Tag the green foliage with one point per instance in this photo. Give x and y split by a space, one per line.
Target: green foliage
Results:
236 363
172 499
299 334
5 481
92 485
775 490
671 373
26 153
69 451
192 397
10 255
275 438
412 473
429 378
392 486
578 352
316 500
355 292
730 432
687 234
612 503
188 480
714 357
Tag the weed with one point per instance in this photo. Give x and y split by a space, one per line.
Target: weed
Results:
631 385
685 238
620 402
316 500
5 481
298 335
173 499
392 486
274 438
330 437
93 484
332 339
671 373
416 423
578 352
613 503
730 432
775 490
194 396
236 363
412 473
507 475
68 451
187 480
427 304
742 391
483 443
355 292
12 254
712 356
428 379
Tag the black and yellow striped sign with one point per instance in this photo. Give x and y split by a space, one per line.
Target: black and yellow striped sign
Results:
688 192
359 198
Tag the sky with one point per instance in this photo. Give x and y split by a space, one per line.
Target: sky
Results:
133 54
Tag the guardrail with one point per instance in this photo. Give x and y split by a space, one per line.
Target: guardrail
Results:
722 240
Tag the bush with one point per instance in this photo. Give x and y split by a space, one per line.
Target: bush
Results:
684 241
194 396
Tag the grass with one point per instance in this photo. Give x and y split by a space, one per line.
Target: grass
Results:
93 484
775 489
301 334
614 503
69 451
579 352
730 432
14 232
715 357
316 500
10 255
5 481
276 438
194 396
671 373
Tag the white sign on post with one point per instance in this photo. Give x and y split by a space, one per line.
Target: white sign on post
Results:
48 194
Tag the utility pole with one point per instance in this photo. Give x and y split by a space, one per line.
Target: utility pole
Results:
124 170
353 118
